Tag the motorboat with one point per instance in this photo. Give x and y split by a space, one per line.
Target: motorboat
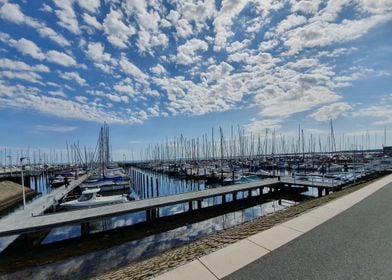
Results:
91 198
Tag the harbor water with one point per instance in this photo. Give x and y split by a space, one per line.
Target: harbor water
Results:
100 261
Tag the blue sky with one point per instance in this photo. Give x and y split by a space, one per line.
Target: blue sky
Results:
156 69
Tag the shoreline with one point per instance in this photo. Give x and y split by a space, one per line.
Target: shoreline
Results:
11 194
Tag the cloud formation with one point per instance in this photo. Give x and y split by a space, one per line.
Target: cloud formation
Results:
128 61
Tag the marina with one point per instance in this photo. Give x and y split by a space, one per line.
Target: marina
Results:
84 201
189 139
139 200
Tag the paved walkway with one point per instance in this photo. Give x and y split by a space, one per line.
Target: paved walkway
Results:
348 238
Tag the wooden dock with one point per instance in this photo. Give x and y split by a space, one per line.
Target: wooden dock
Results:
31 219
38 206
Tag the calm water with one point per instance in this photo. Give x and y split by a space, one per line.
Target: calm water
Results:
140 190
107 259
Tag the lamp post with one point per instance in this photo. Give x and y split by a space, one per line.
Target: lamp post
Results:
23 188
10 163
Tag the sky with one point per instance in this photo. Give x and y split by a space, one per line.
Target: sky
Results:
155 69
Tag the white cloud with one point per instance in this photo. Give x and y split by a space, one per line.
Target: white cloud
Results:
91 6
124 88
190 17
73 76
30 98
186 53
158 69
114 97
258 126
131 69
224 20
15 65
47 32
92 21
81 99
117 98
67 16
381 114
96 51
28 47
116 30
376 7
146 41
321 33
46 8
331 111
12 12
216 72
58 93
305 6
32 77
60 58
55 128
290 22
268 45
154 111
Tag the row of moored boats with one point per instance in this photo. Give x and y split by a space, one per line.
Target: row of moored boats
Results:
97 189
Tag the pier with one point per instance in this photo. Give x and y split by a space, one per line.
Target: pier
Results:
31 219
40 205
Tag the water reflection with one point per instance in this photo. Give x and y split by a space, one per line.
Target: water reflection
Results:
158 184
105 260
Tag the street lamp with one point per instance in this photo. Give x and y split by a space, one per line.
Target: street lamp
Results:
23 188
10 163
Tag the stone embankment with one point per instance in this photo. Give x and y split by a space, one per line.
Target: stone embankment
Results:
11 193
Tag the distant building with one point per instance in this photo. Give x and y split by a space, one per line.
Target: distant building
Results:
387 151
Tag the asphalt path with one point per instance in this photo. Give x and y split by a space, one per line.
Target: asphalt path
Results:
356 244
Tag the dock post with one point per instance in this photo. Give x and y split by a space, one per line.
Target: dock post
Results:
223 198
234 196
149 215
249 193
190 205
152 188
199 206
85 228
147 182
155 213
320 191
156 185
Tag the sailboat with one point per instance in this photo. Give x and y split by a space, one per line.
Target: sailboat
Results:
108 178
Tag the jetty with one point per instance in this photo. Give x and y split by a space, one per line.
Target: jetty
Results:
37 207
32 218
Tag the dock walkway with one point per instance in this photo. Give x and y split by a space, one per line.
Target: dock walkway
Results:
29 220
38 206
